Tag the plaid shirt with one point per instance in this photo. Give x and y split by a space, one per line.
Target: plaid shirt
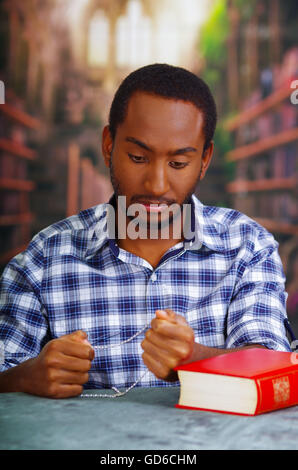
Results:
230 289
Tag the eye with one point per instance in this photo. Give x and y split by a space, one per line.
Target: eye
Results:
136 158
178 165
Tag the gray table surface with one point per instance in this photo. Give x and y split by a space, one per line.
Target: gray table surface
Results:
142 419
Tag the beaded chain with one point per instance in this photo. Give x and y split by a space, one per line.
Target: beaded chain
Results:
118 393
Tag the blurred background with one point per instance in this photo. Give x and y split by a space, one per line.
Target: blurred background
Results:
61 62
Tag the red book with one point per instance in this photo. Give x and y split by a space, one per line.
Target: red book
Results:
247 382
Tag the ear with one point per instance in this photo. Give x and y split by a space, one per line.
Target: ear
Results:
106 145
206 159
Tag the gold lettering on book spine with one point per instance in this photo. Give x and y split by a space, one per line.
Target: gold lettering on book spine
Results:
281 389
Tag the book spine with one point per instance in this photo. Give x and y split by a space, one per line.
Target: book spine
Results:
278 391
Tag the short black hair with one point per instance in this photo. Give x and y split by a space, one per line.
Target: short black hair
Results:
170 82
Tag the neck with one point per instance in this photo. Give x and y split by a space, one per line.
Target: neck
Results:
149 248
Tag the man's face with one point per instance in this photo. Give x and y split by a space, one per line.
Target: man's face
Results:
157 155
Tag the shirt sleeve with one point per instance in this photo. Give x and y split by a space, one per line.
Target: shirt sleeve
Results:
258 309
23 322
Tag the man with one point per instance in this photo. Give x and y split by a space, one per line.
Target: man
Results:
76 303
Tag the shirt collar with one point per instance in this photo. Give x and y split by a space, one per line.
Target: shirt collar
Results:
205 229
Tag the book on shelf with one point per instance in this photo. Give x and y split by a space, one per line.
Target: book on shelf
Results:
289 116
245 382
265 125
10 203
278 162
291 163
12 167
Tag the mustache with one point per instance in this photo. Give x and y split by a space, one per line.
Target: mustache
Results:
146 198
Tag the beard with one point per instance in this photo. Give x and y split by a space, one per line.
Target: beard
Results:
157 223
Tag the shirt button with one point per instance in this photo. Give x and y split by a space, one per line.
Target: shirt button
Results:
153 277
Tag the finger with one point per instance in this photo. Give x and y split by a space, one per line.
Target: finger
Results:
165 315
65 390
156 367
69 377
182 332
169 360
170 316
70 347
180 349
79 350
80 336
70 363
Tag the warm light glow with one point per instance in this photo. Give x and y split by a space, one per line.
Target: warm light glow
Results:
133 37
98 40
178 23
171 39
75 9
169 35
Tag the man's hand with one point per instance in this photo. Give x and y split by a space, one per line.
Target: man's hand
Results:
61 369
168 343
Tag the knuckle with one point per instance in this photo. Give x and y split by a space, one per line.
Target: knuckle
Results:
158 326
164 371
86 365
144 345
53 390
52 346
148 334
146 359
51 360
85 378
172 362
184 352
47 361
51 375
189 335
78 389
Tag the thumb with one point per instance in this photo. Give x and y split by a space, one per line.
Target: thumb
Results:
170 316
166 314
81 336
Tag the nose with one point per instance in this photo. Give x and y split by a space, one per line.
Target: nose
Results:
156 180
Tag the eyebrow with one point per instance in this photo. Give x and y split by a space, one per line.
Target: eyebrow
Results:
139 143
174 152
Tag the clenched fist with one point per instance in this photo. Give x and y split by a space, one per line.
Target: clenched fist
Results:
168 343
61 368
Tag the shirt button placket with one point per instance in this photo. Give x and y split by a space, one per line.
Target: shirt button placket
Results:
151 296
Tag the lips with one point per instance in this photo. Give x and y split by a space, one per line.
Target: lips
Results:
153 206
148 202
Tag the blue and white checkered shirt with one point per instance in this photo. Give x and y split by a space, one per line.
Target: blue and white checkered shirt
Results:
72 276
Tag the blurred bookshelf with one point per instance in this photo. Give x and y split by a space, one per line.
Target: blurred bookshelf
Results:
265 135
15 156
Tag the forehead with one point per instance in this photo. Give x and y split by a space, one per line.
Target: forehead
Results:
154 116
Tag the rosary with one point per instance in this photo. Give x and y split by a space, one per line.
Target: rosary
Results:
118 393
